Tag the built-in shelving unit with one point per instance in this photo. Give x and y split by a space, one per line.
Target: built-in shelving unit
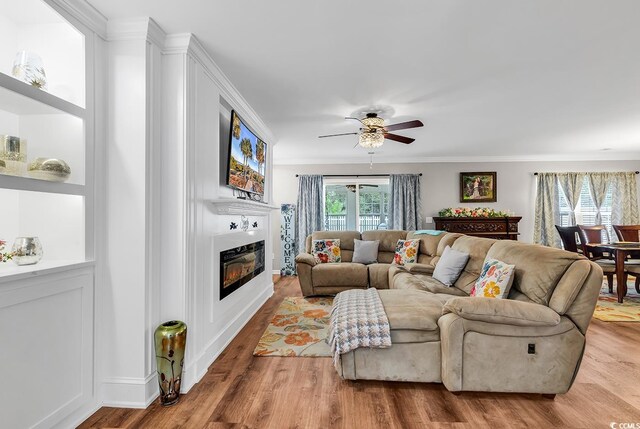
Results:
55 124
51 303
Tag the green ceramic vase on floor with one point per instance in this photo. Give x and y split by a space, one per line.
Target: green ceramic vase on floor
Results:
170 340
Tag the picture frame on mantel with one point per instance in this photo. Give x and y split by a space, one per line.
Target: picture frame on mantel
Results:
478 187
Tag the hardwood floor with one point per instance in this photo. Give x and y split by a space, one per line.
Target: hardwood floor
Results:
240 391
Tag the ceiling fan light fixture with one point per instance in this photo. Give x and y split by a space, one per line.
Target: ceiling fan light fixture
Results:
371 140
373 122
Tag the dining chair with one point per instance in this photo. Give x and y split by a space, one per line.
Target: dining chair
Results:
594 235
627 232
631 233
569 236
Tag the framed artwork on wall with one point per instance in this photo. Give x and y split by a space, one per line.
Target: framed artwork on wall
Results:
478 187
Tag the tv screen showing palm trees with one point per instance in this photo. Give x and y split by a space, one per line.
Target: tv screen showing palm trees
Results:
247 158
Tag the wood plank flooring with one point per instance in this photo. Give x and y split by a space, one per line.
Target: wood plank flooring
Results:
242 391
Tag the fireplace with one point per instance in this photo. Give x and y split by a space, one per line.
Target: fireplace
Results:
239 265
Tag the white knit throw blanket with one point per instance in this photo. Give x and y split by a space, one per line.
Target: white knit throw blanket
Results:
358 320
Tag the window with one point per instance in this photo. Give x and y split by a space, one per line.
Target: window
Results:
586 210
356 205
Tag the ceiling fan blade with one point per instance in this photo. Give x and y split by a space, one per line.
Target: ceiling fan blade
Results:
401 139
404 125
335 135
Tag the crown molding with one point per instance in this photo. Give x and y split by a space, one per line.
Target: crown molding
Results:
142 28
381 159
188 44
83 12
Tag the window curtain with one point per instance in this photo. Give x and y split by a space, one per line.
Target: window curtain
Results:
598 186
547 212
310 207
624 203
404 202
571 185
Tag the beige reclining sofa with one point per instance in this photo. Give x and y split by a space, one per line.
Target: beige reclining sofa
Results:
531 342
329 279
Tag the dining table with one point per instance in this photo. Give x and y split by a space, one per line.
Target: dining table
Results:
619 250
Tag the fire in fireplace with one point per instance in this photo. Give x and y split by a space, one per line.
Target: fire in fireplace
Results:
239 265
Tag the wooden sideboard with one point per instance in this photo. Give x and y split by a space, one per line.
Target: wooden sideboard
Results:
502 228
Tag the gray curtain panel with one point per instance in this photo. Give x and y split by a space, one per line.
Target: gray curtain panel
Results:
624 202
571 184
547 213
598 185
404 204
310 207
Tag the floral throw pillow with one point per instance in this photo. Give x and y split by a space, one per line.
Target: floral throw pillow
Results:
325 251
495 280
406 252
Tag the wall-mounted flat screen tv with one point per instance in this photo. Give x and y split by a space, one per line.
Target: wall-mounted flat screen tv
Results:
247 158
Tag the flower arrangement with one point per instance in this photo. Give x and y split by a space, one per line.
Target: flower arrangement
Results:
469 212
4 257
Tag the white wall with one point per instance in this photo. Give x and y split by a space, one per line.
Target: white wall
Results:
441 184
195 139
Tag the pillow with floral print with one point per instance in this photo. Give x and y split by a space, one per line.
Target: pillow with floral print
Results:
406 252
495 279
326 251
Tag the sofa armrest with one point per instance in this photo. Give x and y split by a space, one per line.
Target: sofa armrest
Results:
306 258
419 268
502 311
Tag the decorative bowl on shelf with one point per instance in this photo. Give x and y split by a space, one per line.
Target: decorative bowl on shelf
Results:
52 169
27 250
13 152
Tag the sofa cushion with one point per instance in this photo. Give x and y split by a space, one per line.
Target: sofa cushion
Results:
406 252
428 243
326 251
477 248
423 282
495 280
342 274
411 309
379 275
365 252
388 238
346 238
538 268
450 266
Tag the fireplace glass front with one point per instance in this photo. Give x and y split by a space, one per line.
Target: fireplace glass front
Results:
239 265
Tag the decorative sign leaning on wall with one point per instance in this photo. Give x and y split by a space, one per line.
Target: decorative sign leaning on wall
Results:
288 239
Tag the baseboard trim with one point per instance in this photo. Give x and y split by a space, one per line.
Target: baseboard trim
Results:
197 370
130 392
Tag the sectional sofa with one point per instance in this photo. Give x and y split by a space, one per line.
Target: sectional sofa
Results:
531 342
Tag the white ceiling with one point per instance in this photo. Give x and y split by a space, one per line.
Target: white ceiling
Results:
534 79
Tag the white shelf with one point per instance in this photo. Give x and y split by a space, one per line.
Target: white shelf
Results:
9 271
235 206
36 185
22 99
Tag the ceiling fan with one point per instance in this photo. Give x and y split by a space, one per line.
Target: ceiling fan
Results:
374 131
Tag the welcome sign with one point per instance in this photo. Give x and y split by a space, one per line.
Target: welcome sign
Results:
288 239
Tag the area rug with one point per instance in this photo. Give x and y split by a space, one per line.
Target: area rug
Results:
609 310
299 328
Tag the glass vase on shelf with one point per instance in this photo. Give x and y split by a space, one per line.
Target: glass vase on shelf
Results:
29 68
27 251
13 153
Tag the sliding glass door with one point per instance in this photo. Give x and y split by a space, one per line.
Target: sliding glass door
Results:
356 205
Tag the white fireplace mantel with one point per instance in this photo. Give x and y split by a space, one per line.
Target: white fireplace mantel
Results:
235 206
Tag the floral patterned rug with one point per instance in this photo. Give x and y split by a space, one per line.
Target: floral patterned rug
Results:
609 310
299 328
